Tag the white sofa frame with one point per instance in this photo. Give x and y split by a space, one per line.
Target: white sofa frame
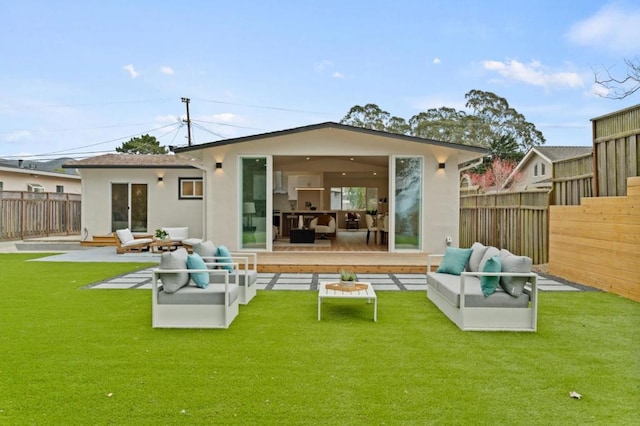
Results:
190 315
249 263
487 318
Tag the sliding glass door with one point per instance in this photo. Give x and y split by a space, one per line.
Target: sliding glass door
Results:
407 203
254 187
129 206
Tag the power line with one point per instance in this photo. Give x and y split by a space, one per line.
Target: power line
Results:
265 107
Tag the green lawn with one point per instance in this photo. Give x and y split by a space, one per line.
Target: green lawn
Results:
75 356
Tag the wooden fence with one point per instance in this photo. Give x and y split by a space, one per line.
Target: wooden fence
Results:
572 180
516 221
30 214
598 242
616 150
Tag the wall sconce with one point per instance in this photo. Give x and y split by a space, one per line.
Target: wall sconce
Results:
160 178
219 165
441 166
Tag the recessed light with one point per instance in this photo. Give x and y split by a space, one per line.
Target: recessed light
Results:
344 174
351 158
375 174
308 158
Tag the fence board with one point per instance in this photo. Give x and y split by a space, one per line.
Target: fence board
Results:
516 221
28 214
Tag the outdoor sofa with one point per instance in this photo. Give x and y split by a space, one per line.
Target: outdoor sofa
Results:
189 293
246 264
483 288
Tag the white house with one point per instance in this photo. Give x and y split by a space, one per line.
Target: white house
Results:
34 180
250 183
536 169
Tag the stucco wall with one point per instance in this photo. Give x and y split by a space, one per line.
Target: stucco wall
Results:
441 192
18 181
164 207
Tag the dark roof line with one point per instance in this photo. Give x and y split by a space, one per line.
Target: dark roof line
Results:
329 124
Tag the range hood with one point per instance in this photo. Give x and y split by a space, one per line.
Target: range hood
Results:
278 187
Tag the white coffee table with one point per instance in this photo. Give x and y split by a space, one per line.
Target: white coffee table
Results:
365 292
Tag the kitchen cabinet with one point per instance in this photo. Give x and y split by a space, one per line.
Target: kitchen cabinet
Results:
292 182
309 181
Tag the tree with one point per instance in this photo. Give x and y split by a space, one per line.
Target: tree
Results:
370 116
496 175
499 119
144 144
491 119
621 87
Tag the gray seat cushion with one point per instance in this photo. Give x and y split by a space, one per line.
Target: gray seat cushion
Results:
449 286
193 295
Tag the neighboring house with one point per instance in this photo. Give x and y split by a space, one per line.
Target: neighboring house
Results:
538 167
139 192
33 176
252 182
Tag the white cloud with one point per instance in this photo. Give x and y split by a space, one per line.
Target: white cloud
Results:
323 65
599 90
612 28
533 73
167 70
132 72
436 61
338 75
19 135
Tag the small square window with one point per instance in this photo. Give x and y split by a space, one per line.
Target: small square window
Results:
59 188
190 188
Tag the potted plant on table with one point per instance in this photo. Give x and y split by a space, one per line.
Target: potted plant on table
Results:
161 234
347 278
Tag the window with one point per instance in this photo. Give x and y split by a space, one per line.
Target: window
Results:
35 187
1 186
190 188
59 188
535 170
542 172
354 198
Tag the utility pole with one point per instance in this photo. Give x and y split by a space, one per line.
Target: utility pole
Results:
188 120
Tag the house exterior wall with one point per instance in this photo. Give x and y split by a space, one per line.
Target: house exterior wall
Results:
164 206
440 194
532 172
17 180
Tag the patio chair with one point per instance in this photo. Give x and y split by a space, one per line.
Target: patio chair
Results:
245 264
126 242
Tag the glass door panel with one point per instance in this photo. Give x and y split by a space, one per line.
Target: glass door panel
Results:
253 207
408 203
119 206
129 206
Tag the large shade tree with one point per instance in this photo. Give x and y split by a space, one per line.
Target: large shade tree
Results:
144 144
491 119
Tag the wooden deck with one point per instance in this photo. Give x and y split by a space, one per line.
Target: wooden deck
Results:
333 261
347 250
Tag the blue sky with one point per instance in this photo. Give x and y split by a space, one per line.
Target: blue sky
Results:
80 78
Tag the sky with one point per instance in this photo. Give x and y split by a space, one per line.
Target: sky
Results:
79 78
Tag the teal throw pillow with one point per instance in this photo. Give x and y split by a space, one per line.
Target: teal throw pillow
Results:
224 253
194 261
490 284
454 261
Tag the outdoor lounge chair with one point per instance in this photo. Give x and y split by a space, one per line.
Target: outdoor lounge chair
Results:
126 242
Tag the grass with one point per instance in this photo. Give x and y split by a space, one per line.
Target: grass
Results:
76 356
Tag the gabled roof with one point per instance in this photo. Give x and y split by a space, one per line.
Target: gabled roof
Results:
132 161
552 154
332 125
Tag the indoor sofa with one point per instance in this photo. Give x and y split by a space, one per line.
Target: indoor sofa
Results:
484 288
